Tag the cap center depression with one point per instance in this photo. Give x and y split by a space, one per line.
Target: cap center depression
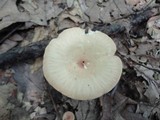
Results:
83 64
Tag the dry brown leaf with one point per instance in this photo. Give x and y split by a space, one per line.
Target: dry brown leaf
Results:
67 21
121 48
70 3
143 4
10 14
141 87
152 92
129 113
117 116
82 4
5 93
120 105
37 65
52 10
7 45
156 112
16 37
144 109
146 73
79 8
153 25
147 54
106 11
139 4
149 111
29 82
37 12
106 103
75 19
38 111
87 110
93 10
39 34
143 48
132 2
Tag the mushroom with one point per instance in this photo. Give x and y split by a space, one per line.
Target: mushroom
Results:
82 65
68 116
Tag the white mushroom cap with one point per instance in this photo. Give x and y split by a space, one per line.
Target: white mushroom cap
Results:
82 65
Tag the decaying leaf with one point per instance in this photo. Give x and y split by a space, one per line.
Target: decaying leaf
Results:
124 108
144 109
106 103
8 44
132 2
66 20
137 94
16 37
85 109
52 10
28 11
153 25
9 13
89 111
29 82
6 91
152 92
144 72
39 34
38 111
141 87
70 3
107 10
139 4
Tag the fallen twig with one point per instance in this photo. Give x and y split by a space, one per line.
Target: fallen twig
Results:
136 19
142 17
110 29
7 32
21 54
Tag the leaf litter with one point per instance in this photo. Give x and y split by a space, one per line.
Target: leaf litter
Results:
133 24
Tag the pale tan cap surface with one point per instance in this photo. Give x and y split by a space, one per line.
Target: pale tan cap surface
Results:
82 66
68 116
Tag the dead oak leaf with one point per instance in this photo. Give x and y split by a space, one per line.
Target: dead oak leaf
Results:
106 11
152 92
153 26
30 81
10 14
7 45
5 93
37 12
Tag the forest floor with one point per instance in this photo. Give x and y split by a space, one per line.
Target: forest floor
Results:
27 26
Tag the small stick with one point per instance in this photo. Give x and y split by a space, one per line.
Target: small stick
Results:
21 54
